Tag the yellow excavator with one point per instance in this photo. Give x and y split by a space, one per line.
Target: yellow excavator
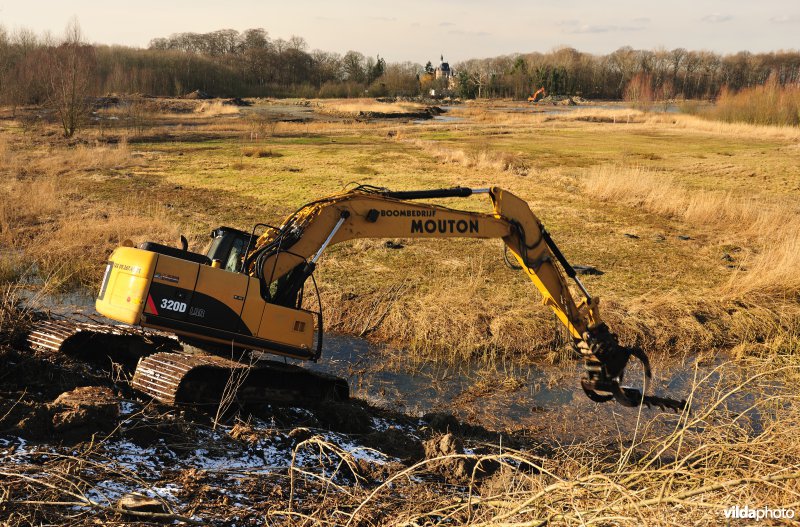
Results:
538 95
244 298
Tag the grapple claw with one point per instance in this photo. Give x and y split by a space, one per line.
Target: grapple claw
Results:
605 367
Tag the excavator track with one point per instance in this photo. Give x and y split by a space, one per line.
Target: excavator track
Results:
167 372
98 343
205 379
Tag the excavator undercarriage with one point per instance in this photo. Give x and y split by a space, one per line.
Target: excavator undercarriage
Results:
244 299
173 372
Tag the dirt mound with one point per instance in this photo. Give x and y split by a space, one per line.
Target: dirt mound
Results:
75 415
453 467
562 100
442 422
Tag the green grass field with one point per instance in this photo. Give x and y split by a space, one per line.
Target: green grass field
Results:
191 173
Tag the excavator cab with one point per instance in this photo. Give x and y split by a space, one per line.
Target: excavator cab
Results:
228 247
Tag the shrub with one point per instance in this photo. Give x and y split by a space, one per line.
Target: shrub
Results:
771 103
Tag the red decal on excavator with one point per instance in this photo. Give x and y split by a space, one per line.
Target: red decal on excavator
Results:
151 305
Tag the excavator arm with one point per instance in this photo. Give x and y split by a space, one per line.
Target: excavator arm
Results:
284 257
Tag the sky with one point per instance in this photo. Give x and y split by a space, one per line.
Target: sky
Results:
422 30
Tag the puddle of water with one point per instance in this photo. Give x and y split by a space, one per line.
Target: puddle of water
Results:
439 119
547 109
543 398
76 305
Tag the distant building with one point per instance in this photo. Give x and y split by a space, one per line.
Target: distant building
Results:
443 70
444 80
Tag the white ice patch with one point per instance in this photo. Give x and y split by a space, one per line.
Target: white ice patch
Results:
127 408
109 492
266 458
166 492
354 449
380 424
144 461
13 450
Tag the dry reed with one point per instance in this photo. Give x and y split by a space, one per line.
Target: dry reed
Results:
768 104
771 227
214 108
482 158
687 469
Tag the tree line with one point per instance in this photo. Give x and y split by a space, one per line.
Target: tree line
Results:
229 63
670 73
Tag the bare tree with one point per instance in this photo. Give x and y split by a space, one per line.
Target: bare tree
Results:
71 72
639 91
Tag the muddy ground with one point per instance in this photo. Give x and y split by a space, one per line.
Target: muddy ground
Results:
78 446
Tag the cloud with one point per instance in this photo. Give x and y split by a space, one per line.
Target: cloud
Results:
446 24
463 33
574 26
716 18
591 28
785 19
383 18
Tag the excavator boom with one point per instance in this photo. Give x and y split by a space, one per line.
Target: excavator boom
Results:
373 213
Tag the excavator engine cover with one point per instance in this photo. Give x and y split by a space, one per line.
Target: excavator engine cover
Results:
201 302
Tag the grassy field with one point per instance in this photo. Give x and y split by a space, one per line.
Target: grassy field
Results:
692 222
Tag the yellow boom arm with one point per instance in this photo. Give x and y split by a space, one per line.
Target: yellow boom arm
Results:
371 213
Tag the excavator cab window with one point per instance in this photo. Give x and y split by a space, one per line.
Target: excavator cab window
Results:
234 263
228 245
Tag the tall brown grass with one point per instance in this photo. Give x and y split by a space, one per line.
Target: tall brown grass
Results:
481 158
26 203
54 233
772 229
74 249
214 108
662 194
771 104
774 272
452 315
14 318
